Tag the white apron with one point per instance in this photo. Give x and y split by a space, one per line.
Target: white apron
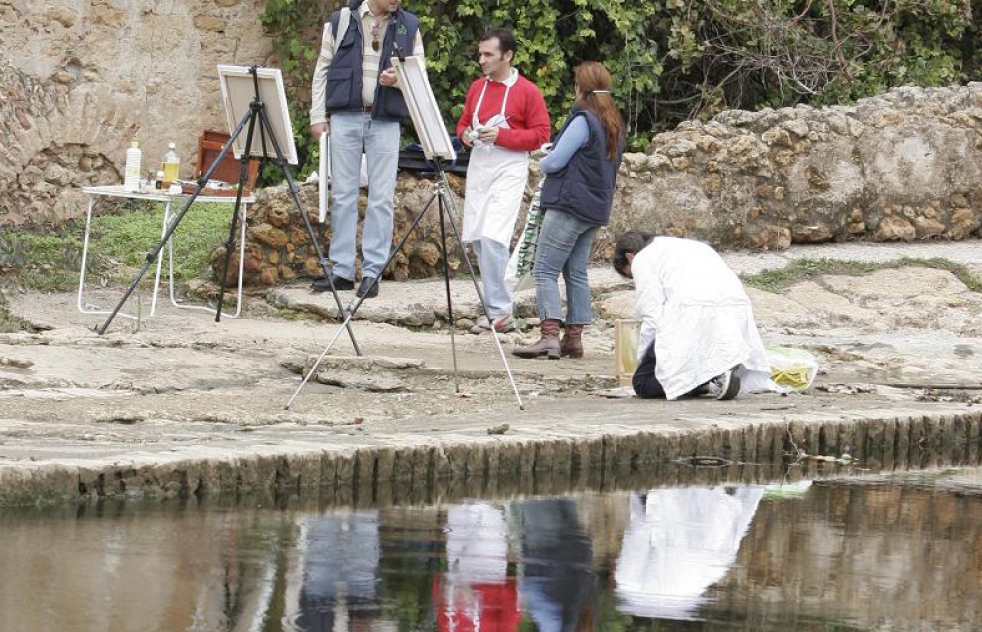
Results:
496 179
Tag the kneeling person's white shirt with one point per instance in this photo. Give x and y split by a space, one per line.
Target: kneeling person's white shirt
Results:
697 312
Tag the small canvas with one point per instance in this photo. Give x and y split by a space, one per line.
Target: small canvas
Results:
238 90
423 109
626 349
324 179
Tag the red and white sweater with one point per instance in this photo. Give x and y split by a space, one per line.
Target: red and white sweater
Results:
528 120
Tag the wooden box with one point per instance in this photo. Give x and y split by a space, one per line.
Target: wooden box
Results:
209 146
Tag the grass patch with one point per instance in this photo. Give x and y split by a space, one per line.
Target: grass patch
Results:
9 324
777 281
48 257
128 237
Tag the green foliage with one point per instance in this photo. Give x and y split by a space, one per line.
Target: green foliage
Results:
42 259
47 258
671 59
128 237
9 324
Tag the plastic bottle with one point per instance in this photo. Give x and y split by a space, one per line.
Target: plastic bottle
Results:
171 165
159 182
134 158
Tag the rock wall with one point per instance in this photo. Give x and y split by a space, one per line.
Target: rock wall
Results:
278 247
902 166
79 78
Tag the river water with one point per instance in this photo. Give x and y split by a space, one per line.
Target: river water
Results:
901 552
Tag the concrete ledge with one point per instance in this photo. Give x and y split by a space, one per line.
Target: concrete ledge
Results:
414 467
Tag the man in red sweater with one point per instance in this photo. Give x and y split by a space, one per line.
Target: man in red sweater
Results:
504 118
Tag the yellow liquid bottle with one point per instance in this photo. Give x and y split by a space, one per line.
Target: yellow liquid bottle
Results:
171 165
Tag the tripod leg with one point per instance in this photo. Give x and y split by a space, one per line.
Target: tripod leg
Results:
446 279
444 190
310 229
152 255
233 224
357 305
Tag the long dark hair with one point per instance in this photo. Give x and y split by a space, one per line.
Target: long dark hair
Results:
631 243
591 77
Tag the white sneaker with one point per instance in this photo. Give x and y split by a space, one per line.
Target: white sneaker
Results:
502 324
725 386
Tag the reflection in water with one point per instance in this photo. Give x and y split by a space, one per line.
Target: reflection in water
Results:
475 592
558 586
844 556
678 543
339 554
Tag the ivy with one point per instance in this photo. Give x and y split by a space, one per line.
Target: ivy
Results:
671 60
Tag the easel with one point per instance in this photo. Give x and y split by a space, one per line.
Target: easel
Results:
256 114
437 147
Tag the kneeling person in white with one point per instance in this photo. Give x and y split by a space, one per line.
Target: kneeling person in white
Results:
697 325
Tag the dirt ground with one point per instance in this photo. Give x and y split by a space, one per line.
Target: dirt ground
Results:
895 338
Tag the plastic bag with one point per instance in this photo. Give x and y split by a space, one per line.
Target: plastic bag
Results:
518 274
792 369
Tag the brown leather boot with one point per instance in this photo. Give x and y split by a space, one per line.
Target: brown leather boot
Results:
572 343
548 344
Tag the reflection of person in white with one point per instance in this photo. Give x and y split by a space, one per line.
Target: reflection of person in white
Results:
504 118
678 543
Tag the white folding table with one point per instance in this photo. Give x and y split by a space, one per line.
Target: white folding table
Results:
117 191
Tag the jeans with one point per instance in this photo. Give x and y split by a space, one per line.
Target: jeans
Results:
354 133
647 386
564 247
492 259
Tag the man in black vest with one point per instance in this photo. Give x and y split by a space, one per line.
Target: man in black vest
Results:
356 98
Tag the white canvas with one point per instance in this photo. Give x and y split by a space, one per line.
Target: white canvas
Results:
424 109
238 90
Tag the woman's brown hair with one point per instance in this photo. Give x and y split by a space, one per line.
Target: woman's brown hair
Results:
594 87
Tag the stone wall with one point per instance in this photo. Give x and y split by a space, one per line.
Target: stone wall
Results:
902 166
79 78
278 247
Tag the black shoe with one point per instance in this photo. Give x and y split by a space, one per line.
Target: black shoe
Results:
324 285
366 288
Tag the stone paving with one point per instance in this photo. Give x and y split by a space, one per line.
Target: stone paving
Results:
181 403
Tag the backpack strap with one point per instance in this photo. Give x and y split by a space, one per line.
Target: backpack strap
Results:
343 20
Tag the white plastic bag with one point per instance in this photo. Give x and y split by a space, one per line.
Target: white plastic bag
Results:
792 369
518 274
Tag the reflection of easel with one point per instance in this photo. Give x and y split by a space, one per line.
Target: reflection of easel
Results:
437 147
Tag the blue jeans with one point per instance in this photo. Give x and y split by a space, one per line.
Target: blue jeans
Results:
492 259
354 133
564 247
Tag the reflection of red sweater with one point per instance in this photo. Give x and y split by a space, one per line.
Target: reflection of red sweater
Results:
529 118
496 608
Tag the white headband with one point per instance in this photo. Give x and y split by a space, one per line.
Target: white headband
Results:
600 92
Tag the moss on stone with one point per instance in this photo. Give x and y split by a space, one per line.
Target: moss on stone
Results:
777 281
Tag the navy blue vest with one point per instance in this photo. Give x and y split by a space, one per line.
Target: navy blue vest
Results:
344 80
585 188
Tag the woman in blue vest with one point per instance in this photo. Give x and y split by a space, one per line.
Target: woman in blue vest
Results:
578 193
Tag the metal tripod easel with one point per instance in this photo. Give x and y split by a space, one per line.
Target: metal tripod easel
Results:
256 114
444 202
